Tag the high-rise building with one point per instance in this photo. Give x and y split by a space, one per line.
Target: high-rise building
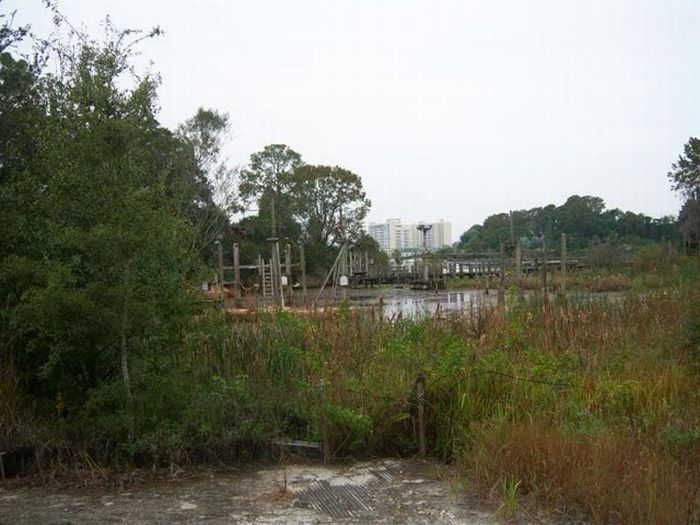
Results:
394 235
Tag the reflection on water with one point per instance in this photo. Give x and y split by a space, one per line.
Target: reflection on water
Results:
410 304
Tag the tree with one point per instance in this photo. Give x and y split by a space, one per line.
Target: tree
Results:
103 270
689 220
685 177
202 137
268 179
367 244
329 203
685 173
205 132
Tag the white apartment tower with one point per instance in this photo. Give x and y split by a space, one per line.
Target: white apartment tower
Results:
394 235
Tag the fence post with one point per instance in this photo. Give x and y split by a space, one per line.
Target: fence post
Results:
325 439
220 275
236 276
420 400
563 263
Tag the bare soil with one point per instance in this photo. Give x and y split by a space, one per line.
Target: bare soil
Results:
385 491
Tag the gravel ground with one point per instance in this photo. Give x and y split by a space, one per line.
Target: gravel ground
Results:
386 491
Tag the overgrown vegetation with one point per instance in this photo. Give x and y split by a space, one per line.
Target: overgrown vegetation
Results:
588 405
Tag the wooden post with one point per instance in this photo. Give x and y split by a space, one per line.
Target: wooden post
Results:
220 276
288 271
420 400
563 264
261 275
544 282
544 269
302 262
236 275
518 260
274 281
323 423
278 272
502 279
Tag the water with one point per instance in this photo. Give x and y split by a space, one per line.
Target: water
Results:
405 303
412 304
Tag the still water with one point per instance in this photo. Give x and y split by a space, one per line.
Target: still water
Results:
405 303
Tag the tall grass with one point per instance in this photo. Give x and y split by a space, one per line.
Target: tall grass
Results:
589 405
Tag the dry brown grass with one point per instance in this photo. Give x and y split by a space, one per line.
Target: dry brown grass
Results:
612 479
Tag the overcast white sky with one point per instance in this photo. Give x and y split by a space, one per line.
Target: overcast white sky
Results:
446 109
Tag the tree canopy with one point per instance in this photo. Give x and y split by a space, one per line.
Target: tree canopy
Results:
584 219
101 225
685 178
321 206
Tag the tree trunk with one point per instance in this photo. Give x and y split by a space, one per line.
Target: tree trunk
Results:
125 360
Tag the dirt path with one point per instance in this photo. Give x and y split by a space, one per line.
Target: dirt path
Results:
387 491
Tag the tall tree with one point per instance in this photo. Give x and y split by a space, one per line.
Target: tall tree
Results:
329 203
685 172
203 137
103 272
685 177
268 180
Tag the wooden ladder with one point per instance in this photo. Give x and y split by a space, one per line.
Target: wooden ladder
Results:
267 285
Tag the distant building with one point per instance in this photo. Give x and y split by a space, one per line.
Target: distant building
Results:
394 235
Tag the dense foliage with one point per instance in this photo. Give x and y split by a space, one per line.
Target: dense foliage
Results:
319 206
685 176
583 219
100 232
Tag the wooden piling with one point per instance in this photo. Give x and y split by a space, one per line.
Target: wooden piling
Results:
278 271
302 263
502 278
562 287
236 275
220 275
288 272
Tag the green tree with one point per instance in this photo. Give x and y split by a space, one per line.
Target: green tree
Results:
685 172
268 180
97 260
329 203
202 166
685 178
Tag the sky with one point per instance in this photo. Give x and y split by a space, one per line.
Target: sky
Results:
451 110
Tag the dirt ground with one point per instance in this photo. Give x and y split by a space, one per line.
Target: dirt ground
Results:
385 491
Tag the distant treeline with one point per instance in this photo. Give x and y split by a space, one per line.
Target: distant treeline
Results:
584 220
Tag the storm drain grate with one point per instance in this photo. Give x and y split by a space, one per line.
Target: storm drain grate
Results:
338 501
349 496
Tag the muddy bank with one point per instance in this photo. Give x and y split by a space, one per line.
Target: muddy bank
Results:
387 491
